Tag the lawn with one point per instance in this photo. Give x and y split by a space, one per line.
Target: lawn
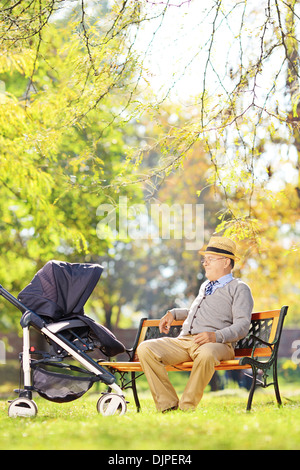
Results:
220 422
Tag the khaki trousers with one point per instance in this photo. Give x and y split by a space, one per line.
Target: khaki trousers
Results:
154 354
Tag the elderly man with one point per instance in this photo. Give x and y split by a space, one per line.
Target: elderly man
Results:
219 316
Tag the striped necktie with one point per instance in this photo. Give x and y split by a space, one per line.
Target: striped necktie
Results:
209 287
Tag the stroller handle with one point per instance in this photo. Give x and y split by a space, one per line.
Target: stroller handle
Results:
8 296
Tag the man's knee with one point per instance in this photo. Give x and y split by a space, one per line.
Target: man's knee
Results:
143 350
154 349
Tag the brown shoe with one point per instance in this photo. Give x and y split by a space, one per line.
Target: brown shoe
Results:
170 409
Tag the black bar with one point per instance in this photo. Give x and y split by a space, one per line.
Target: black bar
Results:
12 299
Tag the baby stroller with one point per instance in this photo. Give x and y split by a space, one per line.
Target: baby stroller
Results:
53 305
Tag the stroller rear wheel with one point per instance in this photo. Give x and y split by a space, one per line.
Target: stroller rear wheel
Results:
110 404
23 407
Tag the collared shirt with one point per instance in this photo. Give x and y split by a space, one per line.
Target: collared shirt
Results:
222 281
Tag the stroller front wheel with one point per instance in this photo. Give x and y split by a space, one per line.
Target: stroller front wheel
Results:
110 404
23 407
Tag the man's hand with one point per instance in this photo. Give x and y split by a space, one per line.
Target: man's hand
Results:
165 323
205 337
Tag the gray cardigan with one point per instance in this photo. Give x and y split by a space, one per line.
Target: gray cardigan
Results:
227 312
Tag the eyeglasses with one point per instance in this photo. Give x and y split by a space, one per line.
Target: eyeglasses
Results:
210 260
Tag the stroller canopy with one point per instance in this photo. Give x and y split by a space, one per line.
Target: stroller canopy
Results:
60 290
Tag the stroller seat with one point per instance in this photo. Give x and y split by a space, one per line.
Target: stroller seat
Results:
64 325
77 332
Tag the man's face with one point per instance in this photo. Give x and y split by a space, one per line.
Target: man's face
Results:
216 266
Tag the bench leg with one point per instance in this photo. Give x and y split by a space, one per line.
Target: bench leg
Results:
135 394
252 389
276 386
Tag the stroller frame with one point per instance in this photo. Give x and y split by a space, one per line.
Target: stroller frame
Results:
108 404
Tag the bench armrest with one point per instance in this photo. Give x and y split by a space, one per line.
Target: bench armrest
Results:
259 340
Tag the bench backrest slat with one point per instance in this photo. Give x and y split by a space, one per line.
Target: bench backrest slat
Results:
263 324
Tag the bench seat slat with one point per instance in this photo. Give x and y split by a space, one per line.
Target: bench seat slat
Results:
186 366
135 366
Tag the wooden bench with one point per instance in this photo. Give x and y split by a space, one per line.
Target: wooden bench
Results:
257 351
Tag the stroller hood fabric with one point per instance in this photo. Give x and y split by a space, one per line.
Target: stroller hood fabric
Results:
60 290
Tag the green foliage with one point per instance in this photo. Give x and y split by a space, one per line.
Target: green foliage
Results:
61 141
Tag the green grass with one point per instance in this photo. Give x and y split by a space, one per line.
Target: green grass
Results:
220 422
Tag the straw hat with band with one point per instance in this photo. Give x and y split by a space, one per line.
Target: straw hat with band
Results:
220 246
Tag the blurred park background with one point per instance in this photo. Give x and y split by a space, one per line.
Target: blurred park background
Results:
168 103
